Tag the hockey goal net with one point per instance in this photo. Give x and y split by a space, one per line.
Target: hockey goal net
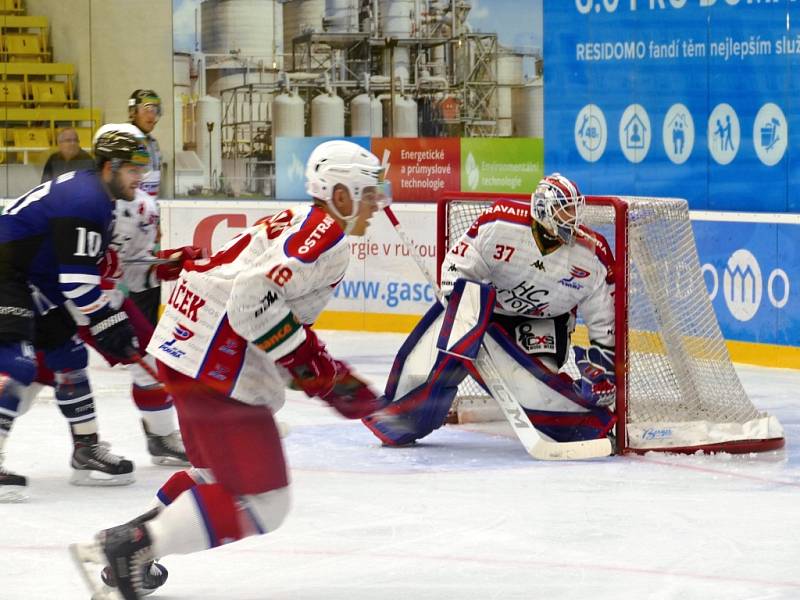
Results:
677 388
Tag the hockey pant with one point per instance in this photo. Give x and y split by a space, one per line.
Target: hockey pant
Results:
61 358
424 381
239 486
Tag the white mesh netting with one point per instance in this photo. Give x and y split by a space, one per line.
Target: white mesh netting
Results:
683 390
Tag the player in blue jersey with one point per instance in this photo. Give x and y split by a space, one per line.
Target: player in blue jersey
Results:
51 241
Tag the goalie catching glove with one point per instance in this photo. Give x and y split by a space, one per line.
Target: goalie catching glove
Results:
171 270
318 374
114 335
597 384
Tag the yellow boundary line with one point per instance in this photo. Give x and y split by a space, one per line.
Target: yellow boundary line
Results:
766 355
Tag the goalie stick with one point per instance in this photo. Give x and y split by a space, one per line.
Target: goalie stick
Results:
533 442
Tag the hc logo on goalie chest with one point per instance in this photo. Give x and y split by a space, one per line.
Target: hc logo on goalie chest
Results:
526 300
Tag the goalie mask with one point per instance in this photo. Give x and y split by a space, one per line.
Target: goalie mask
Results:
339 162
557 204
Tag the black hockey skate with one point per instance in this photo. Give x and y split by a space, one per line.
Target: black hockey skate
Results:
94 464
126 549
12 486
167 450
154 575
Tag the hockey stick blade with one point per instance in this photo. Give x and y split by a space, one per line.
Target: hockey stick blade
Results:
536 446
84 556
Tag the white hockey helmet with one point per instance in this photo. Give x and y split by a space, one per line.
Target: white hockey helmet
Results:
344 163
120 143
557 204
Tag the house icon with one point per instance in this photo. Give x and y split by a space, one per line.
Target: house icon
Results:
634 133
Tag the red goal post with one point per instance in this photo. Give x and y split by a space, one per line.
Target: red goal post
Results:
677 390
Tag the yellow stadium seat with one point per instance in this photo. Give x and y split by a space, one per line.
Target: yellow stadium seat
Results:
49 93
33 137
24 47
12 93
37 138
11 6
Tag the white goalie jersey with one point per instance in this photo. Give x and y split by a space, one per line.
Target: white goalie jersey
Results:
500 249
230 316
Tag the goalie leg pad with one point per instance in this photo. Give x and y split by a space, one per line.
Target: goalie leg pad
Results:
469 310
548 398
423 380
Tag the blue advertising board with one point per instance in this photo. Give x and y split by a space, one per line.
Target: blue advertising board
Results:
750 270
687 98
291 155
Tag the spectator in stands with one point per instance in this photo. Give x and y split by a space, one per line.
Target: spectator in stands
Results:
70 156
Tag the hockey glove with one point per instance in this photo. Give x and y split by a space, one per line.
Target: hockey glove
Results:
318 374
598 382
114 335
351 397
313 370
171 270
109 266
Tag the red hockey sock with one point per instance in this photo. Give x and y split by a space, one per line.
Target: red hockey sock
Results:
155 398
220 514
174 487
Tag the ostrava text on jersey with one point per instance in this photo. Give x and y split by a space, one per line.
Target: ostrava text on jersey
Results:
231 316
499 249
53 237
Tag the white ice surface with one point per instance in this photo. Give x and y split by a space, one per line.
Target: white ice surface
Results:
464 515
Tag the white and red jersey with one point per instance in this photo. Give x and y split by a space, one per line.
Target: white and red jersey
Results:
231 316
499 249
151 182
135 235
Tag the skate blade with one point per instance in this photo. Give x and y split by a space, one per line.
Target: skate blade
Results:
86 556
13 495
169 461
98 478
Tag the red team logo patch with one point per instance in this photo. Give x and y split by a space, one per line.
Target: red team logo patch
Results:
182 333
579 273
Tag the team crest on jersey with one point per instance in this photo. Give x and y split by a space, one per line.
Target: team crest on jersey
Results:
525 299
579 273
575 273
182 333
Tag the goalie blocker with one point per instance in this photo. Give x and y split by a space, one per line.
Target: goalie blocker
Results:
527 352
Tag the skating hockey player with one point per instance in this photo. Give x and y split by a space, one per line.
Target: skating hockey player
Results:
136 236
235 332
51 240
529 267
